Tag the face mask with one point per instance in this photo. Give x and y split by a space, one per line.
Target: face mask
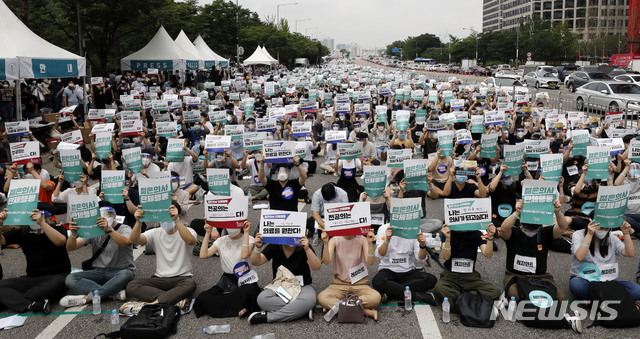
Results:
342 118
519 135
278 127
110 221
461 179
435 136
174 185
167 225
220 158
34 228
251 126
233 231
282 175
508 182
28 176
5 85
335 128
635 173
76 184
229 118
402 135
380 128
136 140
357 129
601 234
527 124
530 233
146 161
196 127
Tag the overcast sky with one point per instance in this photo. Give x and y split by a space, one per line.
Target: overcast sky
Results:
373 23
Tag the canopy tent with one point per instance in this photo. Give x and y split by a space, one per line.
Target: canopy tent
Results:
161 53
211 58
264 49
183 42
26 55
259 57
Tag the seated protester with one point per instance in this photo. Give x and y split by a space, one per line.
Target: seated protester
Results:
221 160
299 260
504 192
180 196
113 267
283 192
77 188
440 167
429 142
131 200
397 268
583 192
184 169
379 207
227 298
629 176
32 171
381 139
347 171
484 163
357 128
528 247
460 251
327 194
172 281
148 167
597 246
47 263
464 187
368 150
250 163
402 139
96 166
330 152
349 252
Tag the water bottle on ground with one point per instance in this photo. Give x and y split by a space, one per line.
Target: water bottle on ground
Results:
96 303
250 197
332 312
511 313
115 321
215 329
316 237
265 336
446 308
407 299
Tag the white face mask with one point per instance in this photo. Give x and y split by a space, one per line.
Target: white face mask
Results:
342 117
110 221
174 185
381 128
336 128
233 231
282 175
220 158
168 225
601 234
136 140
357 129
527 124
28 176
76 184
146 161
35 228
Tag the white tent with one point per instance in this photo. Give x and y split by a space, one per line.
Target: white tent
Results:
211 58
264 49
26 55
161 53
259 57
183 42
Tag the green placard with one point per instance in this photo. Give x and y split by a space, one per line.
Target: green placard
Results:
133 158
538 197
581 139
85 212
634 152
415 174
103 144
112 186
71 164
218 181
350 150
610 206
405 217
551 165
22 200
155 199
598 161
489 142
513 155
175 150
445 141
375 180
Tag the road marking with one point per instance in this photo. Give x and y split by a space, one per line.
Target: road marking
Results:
301 205
63 320
427 321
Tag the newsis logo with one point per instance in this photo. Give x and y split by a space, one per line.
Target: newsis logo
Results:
548 310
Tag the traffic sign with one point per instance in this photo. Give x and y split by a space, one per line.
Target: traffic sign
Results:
240 50
528 54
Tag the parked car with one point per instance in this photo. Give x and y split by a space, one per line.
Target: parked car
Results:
564 71
548 69
508 74
579 78
506 84
481 71
611 95
541 79
618 71
632 78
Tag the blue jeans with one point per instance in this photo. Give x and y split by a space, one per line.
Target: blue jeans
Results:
108 281
579 287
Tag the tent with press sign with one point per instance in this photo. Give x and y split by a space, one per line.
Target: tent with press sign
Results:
259 57
161 53
182 40
211 58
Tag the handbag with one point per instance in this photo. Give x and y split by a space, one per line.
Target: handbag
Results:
475 310
542 309
152 322
87 265
351 309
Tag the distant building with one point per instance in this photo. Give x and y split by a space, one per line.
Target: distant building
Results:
328 43
587 18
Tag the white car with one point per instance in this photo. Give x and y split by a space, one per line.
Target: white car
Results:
508 74
610 95
508 85
541 79
632 78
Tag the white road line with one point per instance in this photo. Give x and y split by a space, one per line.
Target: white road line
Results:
63 320
427 321
301 205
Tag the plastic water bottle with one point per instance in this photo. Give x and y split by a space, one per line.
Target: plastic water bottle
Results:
332 312
265 336
250 197
446 308
316 237
511 313
407 299
215 329
115 321
96 303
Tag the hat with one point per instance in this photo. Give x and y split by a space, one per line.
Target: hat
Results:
46 209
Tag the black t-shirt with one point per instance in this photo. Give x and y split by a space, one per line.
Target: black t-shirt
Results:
467 191
503 201
283 198
296 263
464 251
43 257
531 251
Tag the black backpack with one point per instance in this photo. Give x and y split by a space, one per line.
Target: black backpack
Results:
553 317
153 321
628 315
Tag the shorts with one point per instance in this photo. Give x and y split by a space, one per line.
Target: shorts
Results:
382 149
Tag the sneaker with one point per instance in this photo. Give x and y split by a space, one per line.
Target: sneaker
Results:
122 296
41 306
185 305
257 318
72 300
503 301
131 308
574 321
425 297
311 314
384 298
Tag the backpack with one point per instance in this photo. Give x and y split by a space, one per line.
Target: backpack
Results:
535 290
153 321
628 315
475 309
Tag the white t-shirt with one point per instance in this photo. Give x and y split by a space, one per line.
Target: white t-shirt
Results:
153 168
64 198
401 252
230 252
173 255
251 166
605 264
184 169
633 206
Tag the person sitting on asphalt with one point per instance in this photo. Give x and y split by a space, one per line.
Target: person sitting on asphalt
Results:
112 268
327 194
283 192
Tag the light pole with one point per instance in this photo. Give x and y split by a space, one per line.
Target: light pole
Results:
278 11
237 36
449 44
474 32
300 21
517 45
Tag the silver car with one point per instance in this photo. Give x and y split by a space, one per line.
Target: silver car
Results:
611 95
541 79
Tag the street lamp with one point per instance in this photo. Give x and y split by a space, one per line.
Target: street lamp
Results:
449 44
474 32
300 21
278 10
